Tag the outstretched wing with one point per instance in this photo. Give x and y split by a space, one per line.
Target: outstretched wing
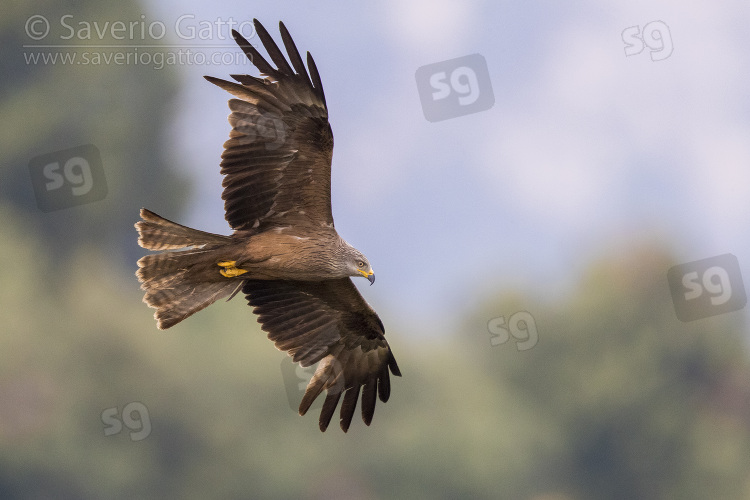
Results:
330 322
277 162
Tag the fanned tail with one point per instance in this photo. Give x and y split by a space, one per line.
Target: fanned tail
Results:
182 282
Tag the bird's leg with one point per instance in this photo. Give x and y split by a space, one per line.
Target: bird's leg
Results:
230 270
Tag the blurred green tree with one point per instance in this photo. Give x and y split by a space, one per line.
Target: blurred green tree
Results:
617 400
123 109
643 405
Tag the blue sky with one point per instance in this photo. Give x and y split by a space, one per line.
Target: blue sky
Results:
585 152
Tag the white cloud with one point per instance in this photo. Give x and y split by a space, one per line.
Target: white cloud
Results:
592 122
435 25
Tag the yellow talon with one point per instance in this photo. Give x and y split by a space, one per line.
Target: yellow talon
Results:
231 270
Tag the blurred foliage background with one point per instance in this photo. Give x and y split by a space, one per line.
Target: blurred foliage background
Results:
619 400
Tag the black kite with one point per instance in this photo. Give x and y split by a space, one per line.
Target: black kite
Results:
284 253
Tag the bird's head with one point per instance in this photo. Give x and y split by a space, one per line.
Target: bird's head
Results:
358 265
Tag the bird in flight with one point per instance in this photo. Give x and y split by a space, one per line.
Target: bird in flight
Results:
284 253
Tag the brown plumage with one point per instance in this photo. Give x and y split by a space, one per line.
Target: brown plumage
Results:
284 254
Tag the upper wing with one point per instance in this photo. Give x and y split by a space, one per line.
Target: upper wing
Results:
277 161
330 322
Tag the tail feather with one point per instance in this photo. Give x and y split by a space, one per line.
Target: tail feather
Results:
159 268
185 299
180 283
158 233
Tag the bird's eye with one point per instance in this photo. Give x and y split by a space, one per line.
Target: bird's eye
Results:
361 264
